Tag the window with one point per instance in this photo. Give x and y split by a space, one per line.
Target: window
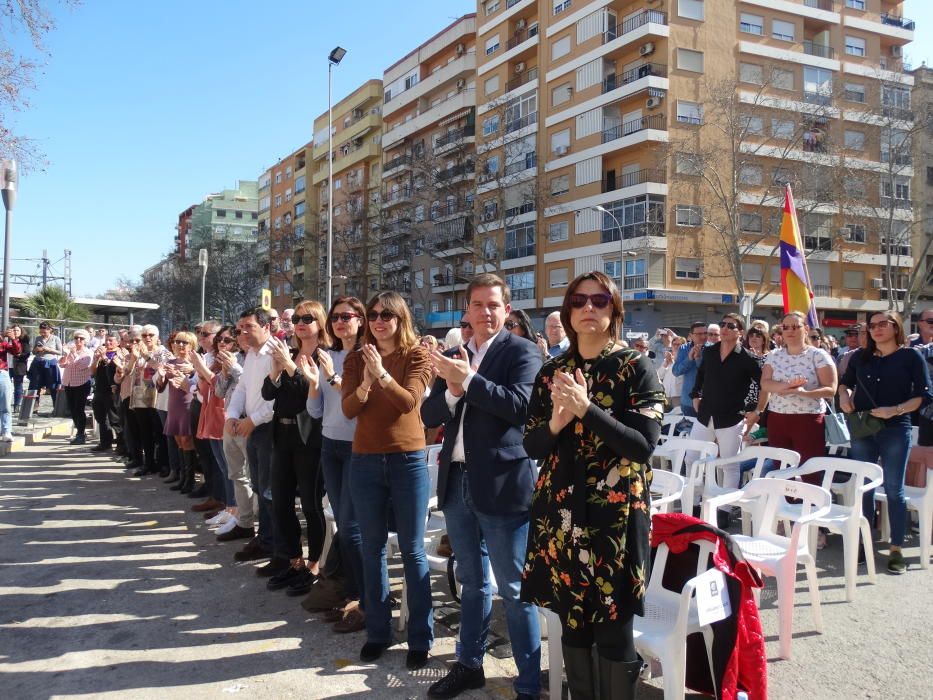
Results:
853 279
688 215
689 112
751 24
491 125
751 272
221 213
338 184
855 92
299 209
929 175
901 189
278 200
560 142
895 97
561 5
491 85
687 164
753 125
278 178
690 60
492 45
687 269
855 46
522 284
288 194
782 30
855 233
853 186
750 222
300 184
492 165
299 232
558 231
637 217
781 176
750 175
855 140
419 279
521 111
560 48
435 307
560 185
855 4
520 240
558 277
817 81
782 128
782 79
278 223
751 73
690 9
561 94
490 209
490 6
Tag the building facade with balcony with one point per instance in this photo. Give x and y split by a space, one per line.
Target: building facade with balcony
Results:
183 232
230 216
922 101
428 175
357 167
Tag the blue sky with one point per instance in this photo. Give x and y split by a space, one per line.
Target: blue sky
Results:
144 108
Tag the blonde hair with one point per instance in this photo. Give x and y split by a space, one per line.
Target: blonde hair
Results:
187 336
316 309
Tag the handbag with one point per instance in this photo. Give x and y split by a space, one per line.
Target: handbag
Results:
143 396
835 427
863 424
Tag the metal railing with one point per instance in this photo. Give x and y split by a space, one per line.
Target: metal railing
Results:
617 80
614 180
817 98
633 23
456 171
520 36
828 5
529 161
635 282
897 113
655 121
455 135
519 251
396 162
812 49
526 77
895 21
398 195
524 208
521 123
822 290
610 232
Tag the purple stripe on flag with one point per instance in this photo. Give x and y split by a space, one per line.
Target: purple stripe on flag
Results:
792 260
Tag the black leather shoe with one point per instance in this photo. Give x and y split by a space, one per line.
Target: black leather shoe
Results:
285 578
458 679
372 651
273 567
416 659
301 585
100 448
199 492
251 551
78 439
237 533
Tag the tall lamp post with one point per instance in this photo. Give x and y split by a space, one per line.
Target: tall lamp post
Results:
335 57
603 209
8 184
202 263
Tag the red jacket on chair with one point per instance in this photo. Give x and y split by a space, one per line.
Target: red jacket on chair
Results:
739 658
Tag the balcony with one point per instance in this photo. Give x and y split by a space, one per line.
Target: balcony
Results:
633 23
396 163
453 137
822 290
396 227
656 121
897 113
397 197
897 203
448 176
617 80
642 229
526 77
519 251
524 208
529 161
521 122
521 36
828 5
900 22
635 282
614 180
820 50
817 98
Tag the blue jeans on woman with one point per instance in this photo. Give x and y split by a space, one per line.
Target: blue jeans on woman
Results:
890 448
402 478
335 464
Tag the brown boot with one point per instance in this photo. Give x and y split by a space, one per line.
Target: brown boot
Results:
354 620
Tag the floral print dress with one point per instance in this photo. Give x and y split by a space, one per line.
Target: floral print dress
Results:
588 551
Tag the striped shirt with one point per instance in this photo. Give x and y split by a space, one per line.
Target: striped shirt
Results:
77 367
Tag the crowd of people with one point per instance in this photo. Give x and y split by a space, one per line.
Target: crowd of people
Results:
545 445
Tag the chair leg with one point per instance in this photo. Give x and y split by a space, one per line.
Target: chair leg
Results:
850 560
708 638
869 548
884 525
673 672
925 513
785 590
810 567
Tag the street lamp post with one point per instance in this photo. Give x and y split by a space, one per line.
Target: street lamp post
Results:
8 184
202 262
603 209
335 57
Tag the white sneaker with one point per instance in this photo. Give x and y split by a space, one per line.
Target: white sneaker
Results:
219 519
227 526
6 437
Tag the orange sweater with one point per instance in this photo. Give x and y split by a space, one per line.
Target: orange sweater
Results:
390 419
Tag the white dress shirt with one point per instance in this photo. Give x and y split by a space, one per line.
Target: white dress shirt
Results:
247 397
458 454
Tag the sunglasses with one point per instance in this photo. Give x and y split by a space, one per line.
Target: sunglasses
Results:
599 301
510 324
181 342
814 337
464 324
147 335
306 319
385 315
79 337
345 316
205 334
880 324
225 339
731 326
928 321
791 328
852 334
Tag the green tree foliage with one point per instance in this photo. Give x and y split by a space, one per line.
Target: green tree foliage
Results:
53 303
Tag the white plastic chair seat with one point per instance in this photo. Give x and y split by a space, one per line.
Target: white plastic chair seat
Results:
764 553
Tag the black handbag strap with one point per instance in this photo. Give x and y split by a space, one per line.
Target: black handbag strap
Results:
865 389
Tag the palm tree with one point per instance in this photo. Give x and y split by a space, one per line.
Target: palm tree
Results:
54 303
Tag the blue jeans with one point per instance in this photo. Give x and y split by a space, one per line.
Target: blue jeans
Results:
259 454
17 390
217 447
6 397
890 448
402 478
478 541
335 463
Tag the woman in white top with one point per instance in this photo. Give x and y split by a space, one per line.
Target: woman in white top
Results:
798 377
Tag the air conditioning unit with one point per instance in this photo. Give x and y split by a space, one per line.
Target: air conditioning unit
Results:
897 51
646 49
877 283
461 49
520 67
561 150
653 102
520 24
461 83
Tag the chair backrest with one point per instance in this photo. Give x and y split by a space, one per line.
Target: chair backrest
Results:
862 476
656 582
432 457
814 500
914 435
668 423
669 488
785 459
677 450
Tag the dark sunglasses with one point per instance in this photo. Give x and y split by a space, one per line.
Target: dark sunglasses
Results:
464 324
814 337
344 316
928 321
206 334
384 315
510 324
225 339
306 319
731 326
599 301
791 328
181 342
880 324
147 335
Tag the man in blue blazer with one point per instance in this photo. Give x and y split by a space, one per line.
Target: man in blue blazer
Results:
485 482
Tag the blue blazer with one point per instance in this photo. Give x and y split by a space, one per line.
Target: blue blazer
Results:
501 475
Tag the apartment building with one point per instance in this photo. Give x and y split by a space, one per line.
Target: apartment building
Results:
428 175
183 232
357 168
922 100
283 222
229 216
622 98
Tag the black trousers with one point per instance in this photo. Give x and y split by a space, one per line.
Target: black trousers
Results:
614 639
102 405
77 398
296 470
149 429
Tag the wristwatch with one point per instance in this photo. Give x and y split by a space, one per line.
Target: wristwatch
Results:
384 374
334 378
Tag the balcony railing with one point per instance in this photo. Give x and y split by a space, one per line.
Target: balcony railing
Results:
529 161
519 251
812 49
897 113
456 171
822 290
817 98
455 135
396 162
398 195
521 123
633 23
828 5
526 77
635 282
520 36
614 180
898 203
610 233
655 121
896 21
524 208
617 80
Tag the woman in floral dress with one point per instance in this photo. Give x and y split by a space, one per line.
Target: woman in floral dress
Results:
594 420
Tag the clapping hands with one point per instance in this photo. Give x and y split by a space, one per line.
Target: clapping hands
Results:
569 397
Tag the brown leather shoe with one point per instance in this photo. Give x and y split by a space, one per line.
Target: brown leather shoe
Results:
209 504
335 615
353 621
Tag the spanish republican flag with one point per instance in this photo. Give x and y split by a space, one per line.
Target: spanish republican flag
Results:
795 280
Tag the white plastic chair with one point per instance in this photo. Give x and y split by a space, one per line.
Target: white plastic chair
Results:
919 500
668 423
777 555
669 617
669 488
677 450
844 518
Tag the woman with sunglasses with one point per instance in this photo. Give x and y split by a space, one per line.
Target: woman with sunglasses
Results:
152 356
20 365
891 381
594 419
174 376
76 378
346 325
296 451
383 386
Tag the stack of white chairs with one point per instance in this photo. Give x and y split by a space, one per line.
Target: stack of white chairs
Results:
688 457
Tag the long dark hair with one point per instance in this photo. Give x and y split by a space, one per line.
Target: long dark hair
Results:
358 308
899 336
524 323
618 313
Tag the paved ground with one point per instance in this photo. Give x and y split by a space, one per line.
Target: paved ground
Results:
111 587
